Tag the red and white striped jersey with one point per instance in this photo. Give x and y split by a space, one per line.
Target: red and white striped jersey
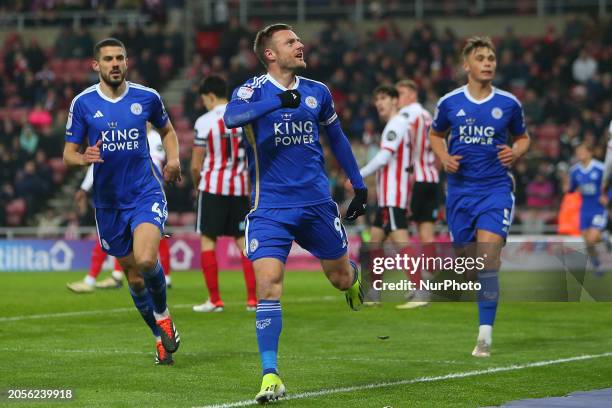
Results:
394 179
224 170
423 160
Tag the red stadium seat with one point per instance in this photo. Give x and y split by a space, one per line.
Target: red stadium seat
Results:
173 218
15 211
165 64
58 168
176 111
208 42
188 219
182 124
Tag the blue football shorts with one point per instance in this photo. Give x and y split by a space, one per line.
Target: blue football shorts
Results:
466 213
593 218
317 228
116 226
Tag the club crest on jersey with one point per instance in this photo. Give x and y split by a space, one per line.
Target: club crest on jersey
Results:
311 102
136 108
245 92
253 245
497 113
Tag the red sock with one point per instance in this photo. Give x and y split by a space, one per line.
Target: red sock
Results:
249 279
164 255
97 259
118 265
211 275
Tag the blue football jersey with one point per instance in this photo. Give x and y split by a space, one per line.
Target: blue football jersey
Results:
128 171
284 153
587 180
477 127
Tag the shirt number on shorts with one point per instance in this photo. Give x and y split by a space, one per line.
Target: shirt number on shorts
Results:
506 220
599 220
155 208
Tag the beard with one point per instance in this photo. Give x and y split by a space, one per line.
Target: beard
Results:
113 83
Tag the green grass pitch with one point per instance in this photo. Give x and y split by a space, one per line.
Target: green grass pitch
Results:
98 346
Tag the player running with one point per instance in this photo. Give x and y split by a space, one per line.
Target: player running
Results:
127 191
391 164
586 176
115 281
479 200
280 113
219 170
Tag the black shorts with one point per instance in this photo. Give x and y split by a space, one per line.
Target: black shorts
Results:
220 215
424 202
391 219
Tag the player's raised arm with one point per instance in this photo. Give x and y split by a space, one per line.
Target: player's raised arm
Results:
172 169
244 106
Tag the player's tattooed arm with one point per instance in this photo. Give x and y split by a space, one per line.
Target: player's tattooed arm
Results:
509 155
72 156
439 147
172 169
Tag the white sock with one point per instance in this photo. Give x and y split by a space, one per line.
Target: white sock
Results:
485 332
168 280
157 338
117 275
90 281
159 316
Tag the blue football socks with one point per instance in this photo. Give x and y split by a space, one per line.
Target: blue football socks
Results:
268 324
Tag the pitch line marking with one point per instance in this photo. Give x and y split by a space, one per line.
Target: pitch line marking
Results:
130 309
450 376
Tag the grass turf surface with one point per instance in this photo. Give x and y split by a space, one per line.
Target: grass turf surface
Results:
98 346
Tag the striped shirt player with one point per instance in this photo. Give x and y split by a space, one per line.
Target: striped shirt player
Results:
224 170
391 165
218 162
424 173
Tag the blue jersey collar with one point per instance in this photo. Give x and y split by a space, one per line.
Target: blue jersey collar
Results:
476 101
111 100
279 86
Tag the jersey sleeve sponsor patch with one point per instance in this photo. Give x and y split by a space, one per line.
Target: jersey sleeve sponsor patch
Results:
391 135
245 92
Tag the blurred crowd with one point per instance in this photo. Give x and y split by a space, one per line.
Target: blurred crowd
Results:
36 88
48 12
563 79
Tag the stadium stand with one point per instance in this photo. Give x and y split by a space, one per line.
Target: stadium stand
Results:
565 88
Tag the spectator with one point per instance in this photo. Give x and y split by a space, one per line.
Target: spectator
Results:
28 140
584 67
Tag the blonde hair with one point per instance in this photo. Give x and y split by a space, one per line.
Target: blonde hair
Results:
475 43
